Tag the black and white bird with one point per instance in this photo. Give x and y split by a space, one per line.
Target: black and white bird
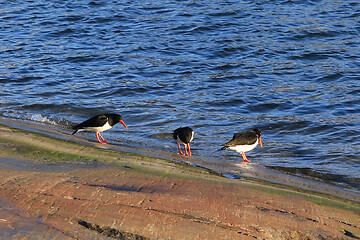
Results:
99 124
243 142
184 135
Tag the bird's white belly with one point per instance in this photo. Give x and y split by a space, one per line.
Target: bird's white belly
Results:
105 127
244 148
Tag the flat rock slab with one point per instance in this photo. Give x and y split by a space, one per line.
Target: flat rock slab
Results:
125 204
55 189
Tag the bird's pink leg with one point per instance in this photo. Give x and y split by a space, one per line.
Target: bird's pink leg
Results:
186 152
104 141
180 152
97 137
188 145
245 158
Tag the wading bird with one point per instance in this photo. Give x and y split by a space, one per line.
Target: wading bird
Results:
243 142
99 124
184 135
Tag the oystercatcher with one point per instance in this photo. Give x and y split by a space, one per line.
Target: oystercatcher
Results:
243 142
184 135
99 124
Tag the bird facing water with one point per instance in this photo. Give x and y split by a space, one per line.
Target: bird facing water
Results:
99 123
184 135
243 142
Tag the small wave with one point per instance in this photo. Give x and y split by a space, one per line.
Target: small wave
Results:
79 59
231 176
324 176
43 119
311 56
26 79
162 136
308 34
72 18
40 118
330 77
223 14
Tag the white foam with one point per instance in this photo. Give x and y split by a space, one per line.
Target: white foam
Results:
43 119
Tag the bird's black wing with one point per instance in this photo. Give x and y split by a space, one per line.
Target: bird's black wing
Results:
242 138
96 121
186 134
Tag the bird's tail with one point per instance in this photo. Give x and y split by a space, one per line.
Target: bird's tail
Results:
75 131
224 147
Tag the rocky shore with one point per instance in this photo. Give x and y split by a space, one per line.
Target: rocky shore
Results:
58 189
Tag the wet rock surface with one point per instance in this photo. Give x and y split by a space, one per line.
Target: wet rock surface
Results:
112 195
124 204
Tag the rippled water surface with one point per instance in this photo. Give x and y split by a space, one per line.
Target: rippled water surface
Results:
290 68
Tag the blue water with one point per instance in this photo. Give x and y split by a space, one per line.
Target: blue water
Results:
289 68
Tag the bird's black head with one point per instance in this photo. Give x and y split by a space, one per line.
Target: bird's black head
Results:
257 131
114 119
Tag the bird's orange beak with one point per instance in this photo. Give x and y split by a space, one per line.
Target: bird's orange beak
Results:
260 142
122 122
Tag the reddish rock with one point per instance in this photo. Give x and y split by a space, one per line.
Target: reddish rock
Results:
92 204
